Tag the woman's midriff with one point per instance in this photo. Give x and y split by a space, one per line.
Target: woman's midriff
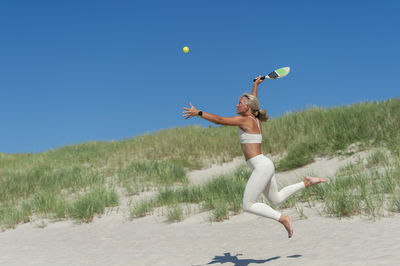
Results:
250 150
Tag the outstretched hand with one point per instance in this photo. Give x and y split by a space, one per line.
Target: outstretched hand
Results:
190 112
258 80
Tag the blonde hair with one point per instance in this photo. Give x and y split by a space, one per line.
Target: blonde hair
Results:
252 101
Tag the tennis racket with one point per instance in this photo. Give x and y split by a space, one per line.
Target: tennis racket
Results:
277 74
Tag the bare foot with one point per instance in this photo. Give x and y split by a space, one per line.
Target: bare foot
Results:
287 223
309 181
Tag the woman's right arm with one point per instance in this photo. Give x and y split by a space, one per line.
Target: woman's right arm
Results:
257 82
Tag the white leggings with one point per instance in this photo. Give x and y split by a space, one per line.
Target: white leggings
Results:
262 180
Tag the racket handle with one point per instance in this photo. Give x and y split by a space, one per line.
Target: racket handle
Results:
262 78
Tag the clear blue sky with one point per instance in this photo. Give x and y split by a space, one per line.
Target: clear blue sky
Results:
76 71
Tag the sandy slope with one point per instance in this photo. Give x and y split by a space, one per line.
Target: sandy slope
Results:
245 239
325 167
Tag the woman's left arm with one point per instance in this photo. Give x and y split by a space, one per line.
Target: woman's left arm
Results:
216 119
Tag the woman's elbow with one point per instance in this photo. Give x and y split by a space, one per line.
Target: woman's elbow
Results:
218 121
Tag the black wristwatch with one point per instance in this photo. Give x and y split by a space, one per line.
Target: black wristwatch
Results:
200 114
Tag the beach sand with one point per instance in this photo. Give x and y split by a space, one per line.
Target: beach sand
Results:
244 239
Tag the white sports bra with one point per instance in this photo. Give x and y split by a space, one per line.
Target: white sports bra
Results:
250 138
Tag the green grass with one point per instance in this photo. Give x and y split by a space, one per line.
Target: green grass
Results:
140 208
46 191
362 188
139 175
60 184
297 156
94 202
368 188
318 131
221 196
175 213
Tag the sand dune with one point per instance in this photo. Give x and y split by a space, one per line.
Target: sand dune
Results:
244 239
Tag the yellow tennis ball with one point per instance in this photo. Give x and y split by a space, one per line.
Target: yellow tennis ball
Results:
186 49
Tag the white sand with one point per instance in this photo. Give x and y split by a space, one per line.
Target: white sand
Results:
245 239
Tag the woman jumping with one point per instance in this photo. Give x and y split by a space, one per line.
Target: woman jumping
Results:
262 179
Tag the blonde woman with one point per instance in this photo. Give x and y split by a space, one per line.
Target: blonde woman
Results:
262 179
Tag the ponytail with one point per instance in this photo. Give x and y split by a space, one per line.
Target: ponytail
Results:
262 115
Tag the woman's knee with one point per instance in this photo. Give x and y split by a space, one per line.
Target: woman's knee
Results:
246 205
275 202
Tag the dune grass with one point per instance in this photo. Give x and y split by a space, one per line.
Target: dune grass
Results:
318 131
141 175
362 188
95 201
53 183
221 196
368 188
49 205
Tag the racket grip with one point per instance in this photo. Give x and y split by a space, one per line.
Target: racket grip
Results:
262 78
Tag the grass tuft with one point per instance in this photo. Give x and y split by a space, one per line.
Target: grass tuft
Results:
140 208
175 213
94 202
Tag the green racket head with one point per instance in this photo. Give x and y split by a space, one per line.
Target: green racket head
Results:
279 73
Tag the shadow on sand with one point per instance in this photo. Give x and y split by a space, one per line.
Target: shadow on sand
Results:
242 262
